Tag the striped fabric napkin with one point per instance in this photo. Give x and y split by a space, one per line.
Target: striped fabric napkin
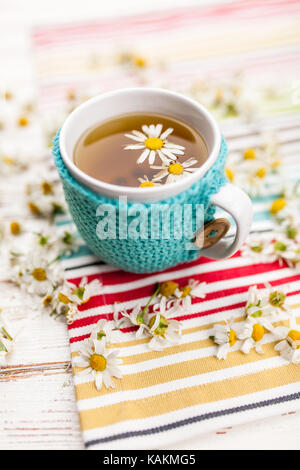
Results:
177 394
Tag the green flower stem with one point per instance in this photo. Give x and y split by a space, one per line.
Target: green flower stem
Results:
2 347
7 334
145 309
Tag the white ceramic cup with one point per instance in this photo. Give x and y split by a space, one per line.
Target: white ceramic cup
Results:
113 104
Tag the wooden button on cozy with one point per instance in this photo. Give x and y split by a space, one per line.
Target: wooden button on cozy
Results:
211 232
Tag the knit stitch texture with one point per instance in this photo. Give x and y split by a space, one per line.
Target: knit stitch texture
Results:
139 254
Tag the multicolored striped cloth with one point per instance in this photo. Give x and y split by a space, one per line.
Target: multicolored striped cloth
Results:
177 394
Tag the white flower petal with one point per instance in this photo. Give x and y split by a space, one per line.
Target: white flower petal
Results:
166 133
143 156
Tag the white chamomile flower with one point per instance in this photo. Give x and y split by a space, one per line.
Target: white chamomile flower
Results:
68 240
71 314
12 163
252 332
185 294
174 171
254 303
137 317
286 250
37 275
269 302
102 331
225 336
44 197
276 298
59 302
146 183
164 331
257 248
98 363
165 297
85 290
289 347
153 141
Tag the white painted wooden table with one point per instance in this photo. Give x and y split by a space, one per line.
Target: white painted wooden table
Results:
37 403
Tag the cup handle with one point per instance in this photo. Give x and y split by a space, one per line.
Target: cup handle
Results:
236 202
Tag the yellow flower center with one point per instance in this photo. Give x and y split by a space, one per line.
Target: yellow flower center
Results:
258 332
8 160
295 337
185 291
261 173
146 184
249 154
162 326
277 205
139 61
8 95
23 121
175 169
39 274
232 337
230 174
34 208
47 300
219 95
63 298
98 362
168 288
15 228
276 163
47 188
154 143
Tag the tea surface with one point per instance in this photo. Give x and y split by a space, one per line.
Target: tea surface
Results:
140 150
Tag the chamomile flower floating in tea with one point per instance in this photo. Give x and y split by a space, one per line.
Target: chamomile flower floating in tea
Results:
174 171
98 363
153 141
146 183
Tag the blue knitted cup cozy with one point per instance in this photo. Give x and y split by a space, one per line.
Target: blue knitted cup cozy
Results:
139 255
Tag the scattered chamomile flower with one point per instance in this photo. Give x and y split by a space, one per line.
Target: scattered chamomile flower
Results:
11 164
165 296
59 241
289 346
276 297
164 331
45 198
137 317
174 171
102 331
36 275
257 248
85 290
98 363
225 336
185 294
58 303
153 141
252 333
